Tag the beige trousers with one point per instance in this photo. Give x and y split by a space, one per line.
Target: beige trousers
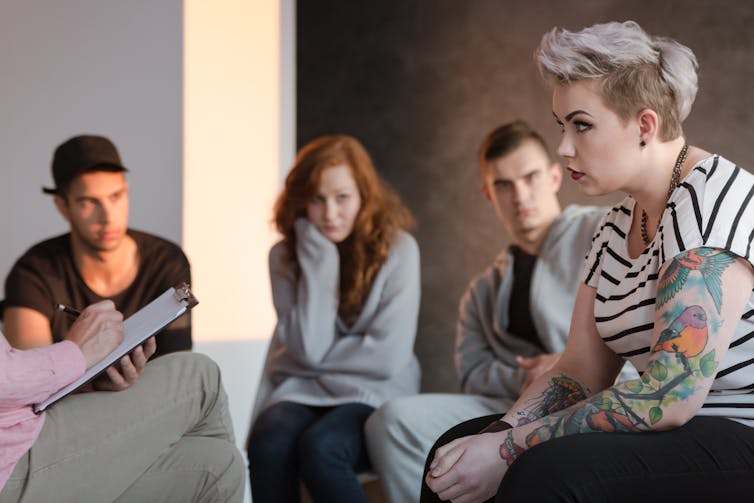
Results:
168 438
402 431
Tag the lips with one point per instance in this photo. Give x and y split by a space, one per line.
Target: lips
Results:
576 175
331 229
524 212
108 235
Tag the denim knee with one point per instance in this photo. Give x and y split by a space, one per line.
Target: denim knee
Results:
275 431
322 450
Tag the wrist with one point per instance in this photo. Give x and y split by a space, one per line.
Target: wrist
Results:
496 426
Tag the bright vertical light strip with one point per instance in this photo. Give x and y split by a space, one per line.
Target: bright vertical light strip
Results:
231 162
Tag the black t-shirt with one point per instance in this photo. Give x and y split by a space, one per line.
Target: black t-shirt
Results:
521 324
46 275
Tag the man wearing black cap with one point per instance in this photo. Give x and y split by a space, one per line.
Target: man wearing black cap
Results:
100 258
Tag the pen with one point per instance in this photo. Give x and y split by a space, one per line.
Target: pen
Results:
68 310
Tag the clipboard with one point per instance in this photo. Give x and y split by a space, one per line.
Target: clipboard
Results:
137 328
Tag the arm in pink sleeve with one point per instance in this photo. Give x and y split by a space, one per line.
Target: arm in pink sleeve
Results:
30 376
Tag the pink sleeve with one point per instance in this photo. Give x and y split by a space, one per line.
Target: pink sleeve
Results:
30 376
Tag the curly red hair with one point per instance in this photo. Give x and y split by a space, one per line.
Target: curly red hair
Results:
381 214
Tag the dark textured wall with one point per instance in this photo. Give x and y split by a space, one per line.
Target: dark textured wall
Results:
421 82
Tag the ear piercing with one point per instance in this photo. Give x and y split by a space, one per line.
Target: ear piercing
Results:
642 143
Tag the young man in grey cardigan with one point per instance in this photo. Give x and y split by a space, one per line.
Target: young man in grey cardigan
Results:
514 317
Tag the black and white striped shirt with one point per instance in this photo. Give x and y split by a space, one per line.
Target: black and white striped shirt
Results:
713 207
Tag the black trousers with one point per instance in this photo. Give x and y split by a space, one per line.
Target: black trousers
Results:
707 459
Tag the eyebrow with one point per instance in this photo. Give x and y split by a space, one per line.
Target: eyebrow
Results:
501 179
87 197
576 112
336 192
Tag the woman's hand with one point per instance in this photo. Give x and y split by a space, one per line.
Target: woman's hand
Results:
97 331
311 244
306 230
468 469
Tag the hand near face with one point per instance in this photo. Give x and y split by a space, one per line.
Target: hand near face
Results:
535 366
310 242
468 469
127 371
97 331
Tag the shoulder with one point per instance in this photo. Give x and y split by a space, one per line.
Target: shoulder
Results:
280 255
488 281
403 259
151 240
46 269
711 208
714 177
404 245
53 246
151 245
574 229
579 219
47 252
279 249
577 214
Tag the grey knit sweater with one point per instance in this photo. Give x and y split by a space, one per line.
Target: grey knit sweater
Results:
314 358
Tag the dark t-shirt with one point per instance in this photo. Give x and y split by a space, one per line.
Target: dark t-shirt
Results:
46 275
521 324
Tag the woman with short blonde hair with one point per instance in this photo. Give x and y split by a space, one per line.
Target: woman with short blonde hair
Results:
667 285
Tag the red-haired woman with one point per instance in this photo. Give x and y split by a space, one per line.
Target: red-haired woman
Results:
345 284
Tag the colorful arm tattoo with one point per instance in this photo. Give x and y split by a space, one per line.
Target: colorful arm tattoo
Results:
561 393
680 361
709 262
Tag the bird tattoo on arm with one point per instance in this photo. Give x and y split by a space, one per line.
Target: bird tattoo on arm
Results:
687 334
709 262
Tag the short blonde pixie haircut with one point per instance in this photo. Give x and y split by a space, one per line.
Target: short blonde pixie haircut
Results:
636 70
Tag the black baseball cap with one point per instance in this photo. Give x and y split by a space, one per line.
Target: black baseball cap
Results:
82 154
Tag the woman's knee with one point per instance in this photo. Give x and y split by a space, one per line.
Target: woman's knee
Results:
276 430
539 473
322 448
264 446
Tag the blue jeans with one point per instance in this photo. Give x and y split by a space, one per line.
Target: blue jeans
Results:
322 446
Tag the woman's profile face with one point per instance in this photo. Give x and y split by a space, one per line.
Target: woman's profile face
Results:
600 150
334 207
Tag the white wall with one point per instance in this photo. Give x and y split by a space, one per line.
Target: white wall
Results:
239 124
115 68
102 66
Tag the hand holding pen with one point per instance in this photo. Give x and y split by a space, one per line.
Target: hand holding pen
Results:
97 332
68 310
128 369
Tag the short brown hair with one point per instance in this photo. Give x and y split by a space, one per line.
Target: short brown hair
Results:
505 139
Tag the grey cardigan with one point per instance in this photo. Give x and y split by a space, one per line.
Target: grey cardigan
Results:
485 351
314 358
